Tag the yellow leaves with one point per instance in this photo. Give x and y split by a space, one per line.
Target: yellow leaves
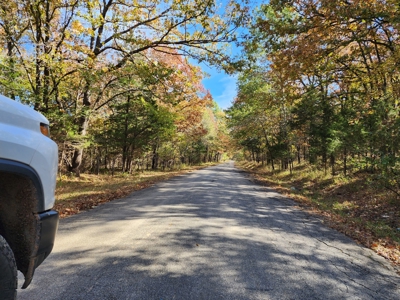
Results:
77 27
354 122
82 49
353 27
90 31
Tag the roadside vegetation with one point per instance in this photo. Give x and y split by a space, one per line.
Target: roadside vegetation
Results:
355 205
317 112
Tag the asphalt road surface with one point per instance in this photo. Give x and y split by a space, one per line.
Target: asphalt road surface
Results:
210 234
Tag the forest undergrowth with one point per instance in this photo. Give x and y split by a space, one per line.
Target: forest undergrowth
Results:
354 205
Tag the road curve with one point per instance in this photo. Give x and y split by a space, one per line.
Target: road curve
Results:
210 234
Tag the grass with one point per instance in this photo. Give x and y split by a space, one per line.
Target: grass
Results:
76 194
354 205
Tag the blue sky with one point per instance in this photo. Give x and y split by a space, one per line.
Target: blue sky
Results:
221 86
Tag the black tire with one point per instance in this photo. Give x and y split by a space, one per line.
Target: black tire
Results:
8 272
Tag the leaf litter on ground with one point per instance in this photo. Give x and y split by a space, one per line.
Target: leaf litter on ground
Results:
77 194
368 214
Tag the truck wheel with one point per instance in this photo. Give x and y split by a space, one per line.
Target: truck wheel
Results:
8 272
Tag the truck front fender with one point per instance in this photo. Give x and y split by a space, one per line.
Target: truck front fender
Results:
21 224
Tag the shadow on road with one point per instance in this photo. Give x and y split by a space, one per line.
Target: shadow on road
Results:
212 234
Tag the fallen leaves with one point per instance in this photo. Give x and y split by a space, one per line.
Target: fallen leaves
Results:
92 200
75 195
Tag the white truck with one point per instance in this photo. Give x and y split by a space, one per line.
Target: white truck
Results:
28 170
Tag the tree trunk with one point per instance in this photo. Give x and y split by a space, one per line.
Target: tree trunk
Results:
324 161
154 163
11 61
125 147
83 123
298 154
112 167
98 164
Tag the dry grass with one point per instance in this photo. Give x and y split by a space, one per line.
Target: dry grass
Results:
76 194
354 205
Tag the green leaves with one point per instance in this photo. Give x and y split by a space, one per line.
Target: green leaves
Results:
78 61
330 82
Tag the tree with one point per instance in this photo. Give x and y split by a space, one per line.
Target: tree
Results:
70 56
335 60
111 33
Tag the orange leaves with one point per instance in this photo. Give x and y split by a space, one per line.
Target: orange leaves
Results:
325 28
388 250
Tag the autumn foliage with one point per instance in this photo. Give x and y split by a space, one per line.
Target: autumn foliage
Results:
114 77
322 79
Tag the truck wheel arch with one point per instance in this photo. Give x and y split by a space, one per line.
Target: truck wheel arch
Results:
21 198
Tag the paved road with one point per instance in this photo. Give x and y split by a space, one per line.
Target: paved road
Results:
212 234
